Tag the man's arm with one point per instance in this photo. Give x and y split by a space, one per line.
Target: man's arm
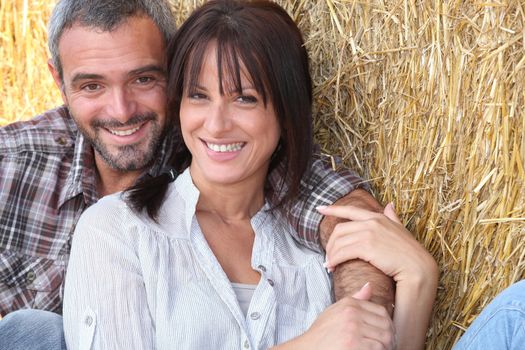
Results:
383 240
349 277
322 187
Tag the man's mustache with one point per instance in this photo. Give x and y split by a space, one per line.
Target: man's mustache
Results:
136 119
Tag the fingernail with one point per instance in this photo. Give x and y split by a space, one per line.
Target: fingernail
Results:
327 266
392 205
366 285
321 207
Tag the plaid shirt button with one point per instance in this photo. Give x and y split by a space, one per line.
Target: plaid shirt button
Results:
61 140
30 276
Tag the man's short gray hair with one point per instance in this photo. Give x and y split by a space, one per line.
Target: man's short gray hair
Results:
106 15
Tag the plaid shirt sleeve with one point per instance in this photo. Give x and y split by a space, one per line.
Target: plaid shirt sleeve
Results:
323 186
47 179
35 219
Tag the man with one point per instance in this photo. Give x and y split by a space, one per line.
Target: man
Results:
111 131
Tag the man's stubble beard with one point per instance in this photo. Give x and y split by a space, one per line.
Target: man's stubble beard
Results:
129 157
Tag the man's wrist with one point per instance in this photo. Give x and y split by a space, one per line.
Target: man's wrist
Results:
346 283
358 197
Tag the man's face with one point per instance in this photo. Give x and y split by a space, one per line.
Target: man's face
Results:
114 86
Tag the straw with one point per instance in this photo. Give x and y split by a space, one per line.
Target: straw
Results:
423 98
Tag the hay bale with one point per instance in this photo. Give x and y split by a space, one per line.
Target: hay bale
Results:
424 98
26 86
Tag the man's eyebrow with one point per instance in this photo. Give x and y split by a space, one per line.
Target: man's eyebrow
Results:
148 69
91 76
85 76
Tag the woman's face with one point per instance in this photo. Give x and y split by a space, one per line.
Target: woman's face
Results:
232 136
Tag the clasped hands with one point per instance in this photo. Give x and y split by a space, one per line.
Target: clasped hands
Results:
355 322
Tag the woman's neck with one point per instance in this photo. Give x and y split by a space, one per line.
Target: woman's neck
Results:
230 202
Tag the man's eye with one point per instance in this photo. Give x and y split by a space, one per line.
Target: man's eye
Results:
91 87
144 80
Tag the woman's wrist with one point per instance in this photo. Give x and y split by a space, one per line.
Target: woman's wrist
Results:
422 277
415 295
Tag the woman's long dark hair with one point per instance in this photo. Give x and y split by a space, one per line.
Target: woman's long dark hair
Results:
262 36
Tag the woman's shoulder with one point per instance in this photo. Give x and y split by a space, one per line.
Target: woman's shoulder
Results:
288 250
113 215
108 207
110 214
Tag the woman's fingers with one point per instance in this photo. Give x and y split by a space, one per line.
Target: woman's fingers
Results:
359 324
391 213
379 239
348 212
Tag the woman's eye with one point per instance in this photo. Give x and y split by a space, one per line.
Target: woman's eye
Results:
197 96
247 99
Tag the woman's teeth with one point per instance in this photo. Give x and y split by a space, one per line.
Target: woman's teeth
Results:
124 132
232 147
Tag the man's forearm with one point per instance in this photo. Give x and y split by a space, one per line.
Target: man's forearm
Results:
350 276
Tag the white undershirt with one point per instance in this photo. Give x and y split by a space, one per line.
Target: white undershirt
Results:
244 293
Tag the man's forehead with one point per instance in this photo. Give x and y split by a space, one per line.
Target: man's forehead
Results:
129 25
134 44
106 27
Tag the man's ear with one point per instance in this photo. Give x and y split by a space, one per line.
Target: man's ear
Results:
58 80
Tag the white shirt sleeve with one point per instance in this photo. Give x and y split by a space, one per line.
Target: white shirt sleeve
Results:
105 302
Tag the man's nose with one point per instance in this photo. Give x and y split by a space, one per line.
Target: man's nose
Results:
122 105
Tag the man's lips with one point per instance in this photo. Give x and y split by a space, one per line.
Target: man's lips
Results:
125 132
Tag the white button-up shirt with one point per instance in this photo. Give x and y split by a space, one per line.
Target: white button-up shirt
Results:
136 284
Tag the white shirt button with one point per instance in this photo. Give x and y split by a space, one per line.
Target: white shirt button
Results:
246 344
270 282
255 316
88 321
262 268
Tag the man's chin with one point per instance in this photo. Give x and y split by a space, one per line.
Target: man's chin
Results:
126 162
133 157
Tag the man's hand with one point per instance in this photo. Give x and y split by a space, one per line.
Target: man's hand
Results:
351 275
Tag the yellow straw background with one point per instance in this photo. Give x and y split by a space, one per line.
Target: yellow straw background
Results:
426 99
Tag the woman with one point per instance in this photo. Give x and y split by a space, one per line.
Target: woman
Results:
204 260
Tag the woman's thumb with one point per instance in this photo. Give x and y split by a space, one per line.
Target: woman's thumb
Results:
365 293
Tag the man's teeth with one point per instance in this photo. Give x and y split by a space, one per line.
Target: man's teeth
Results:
232 147
124 132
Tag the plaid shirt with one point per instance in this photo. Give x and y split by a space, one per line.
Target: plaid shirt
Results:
47 180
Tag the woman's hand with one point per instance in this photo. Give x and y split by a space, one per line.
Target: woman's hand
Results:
351 323
380 239
383 241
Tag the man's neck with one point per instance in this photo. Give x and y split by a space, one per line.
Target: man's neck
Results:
110 180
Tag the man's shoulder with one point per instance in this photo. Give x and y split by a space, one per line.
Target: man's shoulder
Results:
52 131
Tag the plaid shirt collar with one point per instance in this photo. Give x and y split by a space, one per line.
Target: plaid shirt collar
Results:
81 177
